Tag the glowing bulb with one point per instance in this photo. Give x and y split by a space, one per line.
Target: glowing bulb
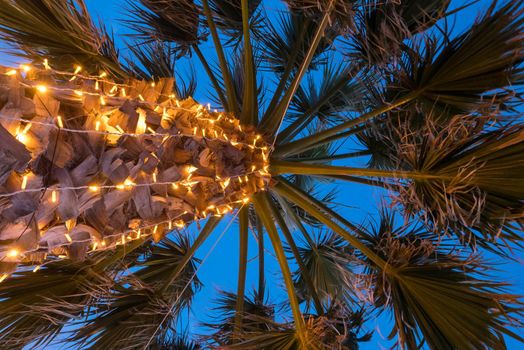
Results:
153 84
102 101
77 69
13 253
141 97
141 124
78 93
3 277
191 169
37 268
24 182
54 197
97 85
46 64
154 176
94 188
245 200
68 237
59 122
102 75
25 67
97 125
11 72
41 88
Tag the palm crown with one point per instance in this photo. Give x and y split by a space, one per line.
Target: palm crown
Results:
436 115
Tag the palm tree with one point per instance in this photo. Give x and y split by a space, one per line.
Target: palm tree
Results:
436 115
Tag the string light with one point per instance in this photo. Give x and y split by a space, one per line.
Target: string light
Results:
11 72
93 188
24 182
68 237
59 122
3 277
216 129
13 253
41 88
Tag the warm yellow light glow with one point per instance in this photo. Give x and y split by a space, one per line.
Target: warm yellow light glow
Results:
141 124
24 182
11 72
97 125
37 268
78 93
41 88
3 277
94 188
245 200
26 68
141 97
54 197
102 101
13 253
77 69
46 64
60 122
103 75
68 237
191 169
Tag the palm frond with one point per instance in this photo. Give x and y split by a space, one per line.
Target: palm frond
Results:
288 43
328 263
35 306
61 31
228 17
436 296
478 70
139 311
255 316
383 26
171 21
479 195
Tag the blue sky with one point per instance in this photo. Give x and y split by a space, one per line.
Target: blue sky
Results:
219 270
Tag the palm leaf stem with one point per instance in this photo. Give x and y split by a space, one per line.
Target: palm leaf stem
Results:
282 167
286 74
249 101
299 145
232 105
294 249
321 213
333 157
242 268
274 120
211 76
300 123
263 209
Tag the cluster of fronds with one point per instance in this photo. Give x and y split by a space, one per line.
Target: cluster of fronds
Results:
435 117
